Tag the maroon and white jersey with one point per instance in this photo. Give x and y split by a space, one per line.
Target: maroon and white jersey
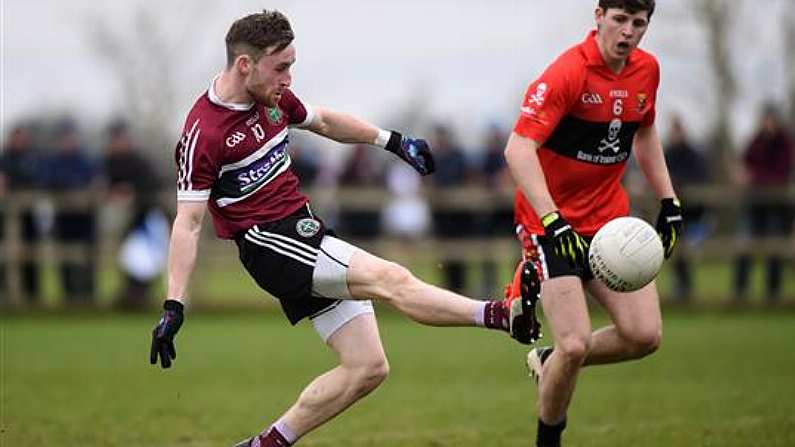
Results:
234 156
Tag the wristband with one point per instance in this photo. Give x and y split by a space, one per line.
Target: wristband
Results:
382 138
549 218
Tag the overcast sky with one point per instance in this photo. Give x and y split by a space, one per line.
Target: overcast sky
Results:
468 60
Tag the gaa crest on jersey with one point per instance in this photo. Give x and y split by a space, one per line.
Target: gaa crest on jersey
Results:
307 227
275 115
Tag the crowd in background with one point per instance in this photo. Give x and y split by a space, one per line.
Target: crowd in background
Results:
124 175
766 161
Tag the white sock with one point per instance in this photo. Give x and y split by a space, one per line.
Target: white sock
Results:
480 314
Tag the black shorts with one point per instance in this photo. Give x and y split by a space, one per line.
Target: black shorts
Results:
540 250
281 257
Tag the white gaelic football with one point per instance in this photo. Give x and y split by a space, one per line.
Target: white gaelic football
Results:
626 254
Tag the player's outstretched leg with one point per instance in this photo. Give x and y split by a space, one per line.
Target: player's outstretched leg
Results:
372 277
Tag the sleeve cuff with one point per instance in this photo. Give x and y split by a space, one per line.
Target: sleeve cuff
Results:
193 196
310 116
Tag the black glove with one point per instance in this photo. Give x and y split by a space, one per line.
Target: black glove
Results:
164 332
568 244
413 151
669 224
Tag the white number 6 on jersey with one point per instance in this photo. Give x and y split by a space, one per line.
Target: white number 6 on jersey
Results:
618 107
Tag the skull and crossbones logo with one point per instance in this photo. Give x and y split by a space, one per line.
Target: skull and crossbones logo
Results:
538 97
611 142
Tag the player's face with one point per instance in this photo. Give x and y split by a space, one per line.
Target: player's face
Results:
270 76
620 32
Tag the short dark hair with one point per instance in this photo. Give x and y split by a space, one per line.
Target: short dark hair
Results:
631 6
255 33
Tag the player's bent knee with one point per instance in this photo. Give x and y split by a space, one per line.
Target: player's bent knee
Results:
365 378
646 343
573 349
398 275
393 279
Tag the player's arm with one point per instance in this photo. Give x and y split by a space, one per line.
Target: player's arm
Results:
521 155
649 154
342 127
547 100
182 252
345 128
183 247
651 160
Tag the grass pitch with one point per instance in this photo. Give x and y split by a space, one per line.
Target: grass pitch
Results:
724 379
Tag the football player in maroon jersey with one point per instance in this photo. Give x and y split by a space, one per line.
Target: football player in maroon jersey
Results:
233 160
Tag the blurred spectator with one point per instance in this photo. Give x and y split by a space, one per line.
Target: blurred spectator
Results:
407 214
70 169
768 162
493 168
303 164
452 168
20 170
451 172
497 221
687 167
362 169
132 181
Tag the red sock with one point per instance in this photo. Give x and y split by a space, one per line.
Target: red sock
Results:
494 315
271 439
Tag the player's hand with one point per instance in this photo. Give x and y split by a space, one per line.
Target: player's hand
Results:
669 224
164 332
568 244
413 151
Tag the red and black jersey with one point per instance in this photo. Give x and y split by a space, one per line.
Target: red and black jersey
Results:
585 117
234 156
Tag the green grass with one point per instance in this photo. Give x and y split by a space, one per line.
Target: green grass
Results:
720 379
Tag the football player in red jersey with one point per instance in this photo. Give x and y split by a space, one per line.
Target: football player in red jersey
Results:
232 159
577 126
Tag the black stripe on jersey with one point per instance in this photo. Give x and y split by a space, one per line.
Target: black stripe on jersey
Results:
601 143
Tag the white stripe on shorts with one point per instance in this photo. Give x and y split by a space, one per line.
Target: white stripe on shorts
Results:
292 249
541 256
310 262
298 244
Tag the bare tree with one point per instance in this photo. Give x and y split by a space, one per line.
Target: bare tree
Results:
716 15
144 64
788 26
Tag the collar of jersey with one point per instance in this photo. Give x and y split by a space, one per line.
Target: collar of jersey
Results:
215 99
591 51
